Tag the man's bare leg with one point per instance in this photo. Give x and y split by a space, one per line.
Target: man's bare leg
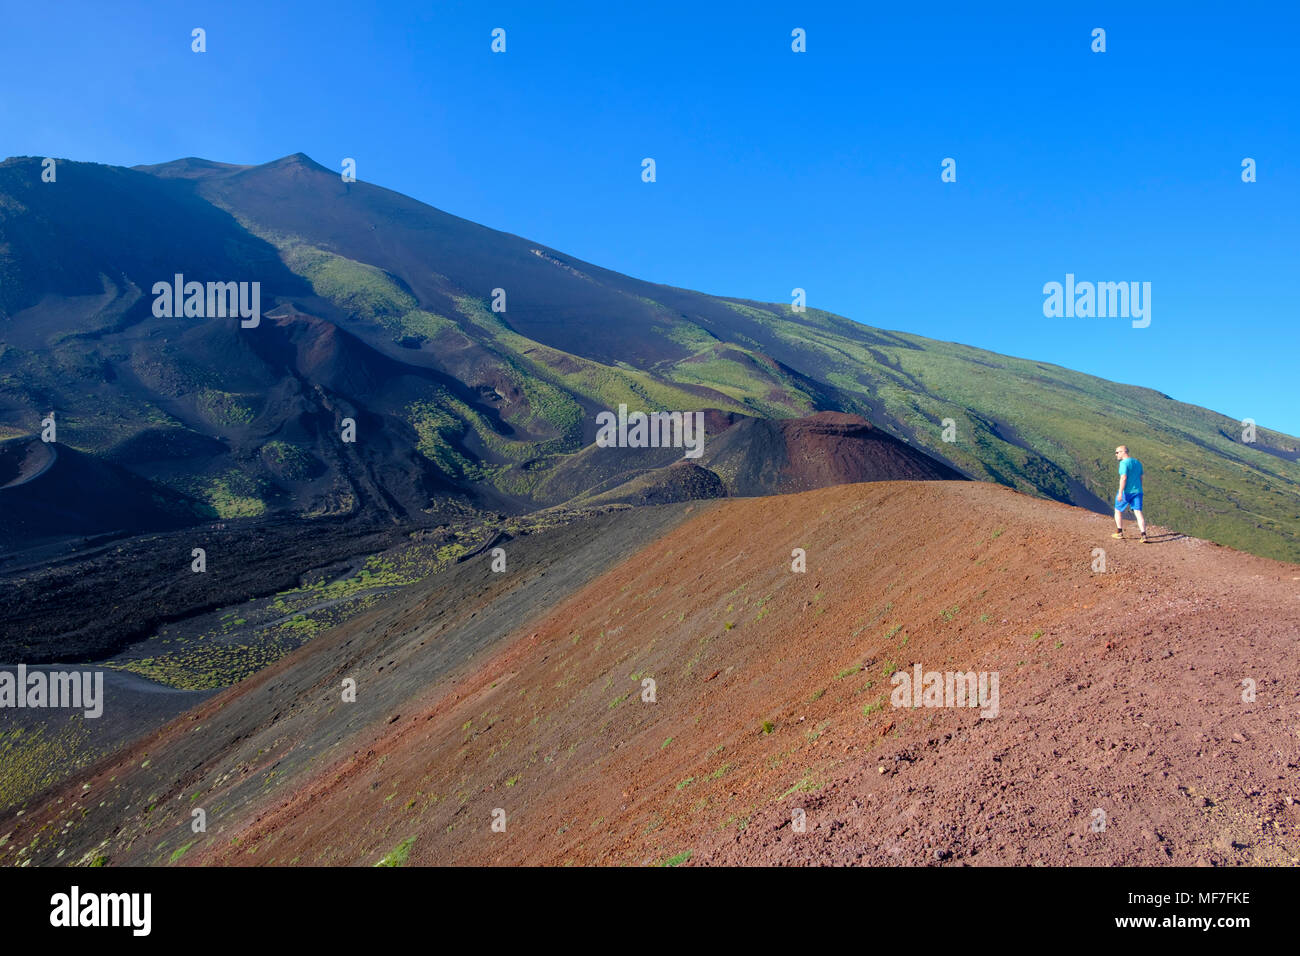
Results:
1142 523
1119 524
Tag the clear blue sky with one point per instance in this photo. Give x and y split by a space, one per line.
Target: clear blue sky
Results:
775 169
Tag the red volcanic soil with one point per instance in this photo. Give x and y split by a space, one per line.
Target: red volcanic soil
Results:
764 456
1120 691
823 448
1123 700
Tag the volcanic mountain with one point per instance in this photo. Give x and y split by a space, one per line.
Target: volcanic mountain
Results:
384 312
424 595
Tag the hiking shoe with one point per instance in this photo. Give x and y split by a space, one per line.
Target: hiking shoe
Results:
1118 534
1144 538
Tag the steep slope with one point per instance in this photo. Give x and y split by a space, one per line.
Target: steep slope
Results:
1031 426
1120 690
558 563
501 388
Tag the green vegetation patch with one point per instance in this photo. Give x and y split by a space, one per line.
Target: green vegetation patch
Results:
223 408
288 461
32 759
177 854
233 494
399 854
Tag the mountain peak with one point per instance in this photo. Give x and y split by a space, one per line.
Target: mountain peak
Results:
195 167
190 167
296 159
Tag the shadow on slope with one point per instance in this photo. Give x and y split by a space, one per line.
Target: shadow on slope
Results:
55 491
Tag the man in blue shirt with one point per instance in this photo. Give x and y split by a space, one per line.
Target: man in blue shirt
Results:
1130 492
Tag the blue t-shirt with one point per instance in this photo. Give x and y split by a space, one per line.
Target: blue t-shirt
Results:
1131 468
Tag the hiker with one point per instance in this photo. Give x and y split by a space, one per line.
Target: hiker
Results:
1130 492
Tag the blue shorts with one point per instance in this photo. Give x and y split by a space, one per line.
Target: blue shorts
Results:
1133 501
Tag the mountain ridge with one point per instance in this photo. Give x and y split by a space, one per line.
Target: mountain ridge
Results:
772 690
